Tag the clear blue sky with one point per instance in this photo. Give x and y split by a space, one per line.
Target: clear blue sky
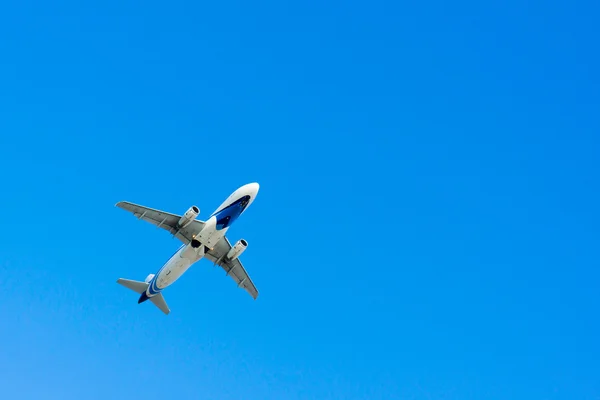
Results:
426 228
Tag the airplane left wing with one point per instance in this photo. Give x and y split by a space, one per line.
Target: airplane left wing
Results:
164 220
234 268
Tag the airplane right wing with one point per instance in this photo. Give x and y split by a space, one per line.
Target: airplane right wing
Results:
234 268
164 220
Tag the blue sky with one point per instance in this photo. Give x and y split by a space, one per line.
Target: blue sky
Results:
426 227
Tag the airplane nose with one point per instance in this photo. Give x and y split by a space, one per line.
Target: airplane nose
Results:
254 187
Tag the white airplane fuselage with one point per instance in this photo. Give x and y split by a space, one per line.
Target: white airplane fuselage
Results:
213 230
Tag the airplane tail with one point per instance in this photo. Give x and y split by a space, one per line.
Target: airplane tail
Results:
140 288
136 286
159 301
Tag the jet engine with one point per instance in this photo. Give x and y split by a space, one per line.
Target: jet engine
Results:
149 278
188 217
237 249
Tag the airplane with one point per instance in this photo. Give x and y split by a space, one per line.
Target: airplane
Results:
201 239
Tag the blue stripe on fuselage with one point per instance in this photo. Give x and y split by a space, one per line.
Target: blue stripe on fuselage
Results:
229 214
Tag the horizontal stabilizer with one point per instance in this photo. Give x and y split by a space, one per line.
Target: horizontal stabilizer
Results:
136 286
159 301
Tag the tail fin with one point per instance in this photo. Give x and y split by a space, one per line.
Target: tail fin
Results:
136 286
140 287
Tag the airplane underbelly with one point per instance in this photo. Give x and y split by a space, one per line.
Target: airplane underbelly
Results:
177 265
173 270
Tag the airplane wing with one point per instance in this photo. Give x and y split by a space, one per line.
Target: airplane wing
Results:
234 268
168 222
164 220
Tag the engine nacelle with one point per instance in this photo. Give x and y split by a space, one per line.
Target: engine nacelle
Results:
237 249
149 278
188 217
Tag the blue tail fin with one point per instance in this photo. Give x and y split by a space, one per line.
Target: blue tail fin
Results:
143 298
